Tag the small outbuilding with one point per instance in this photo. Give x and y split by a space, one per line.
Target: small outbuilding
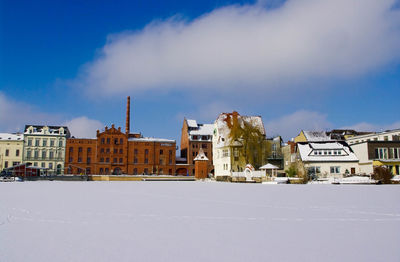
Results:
270 170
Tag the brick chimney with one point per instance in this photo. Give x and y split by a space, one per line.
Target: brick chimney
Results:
128 115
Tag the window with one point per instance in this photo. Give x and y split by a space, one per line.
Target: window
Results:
88 160
161 152
107 160
101 170
29 142
88 170
44 142
51 154
80 149
203 145
135 151
146 160
115 150
50 165
36 142
385 138
161 161
225 153
115 141
146 151
5 164
89 150
44 154
71 149
102 150
43 164
135 160
35 164
108 140
102 141
115 160
106 170
107 150
51 142
28 154
121 151
15 163
335 169
60 143
135 171
146 171
120 160
79 159
382 153
7 152
36 153
121 141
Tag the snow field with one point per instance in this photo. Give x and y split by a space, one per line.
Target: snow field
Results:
197 221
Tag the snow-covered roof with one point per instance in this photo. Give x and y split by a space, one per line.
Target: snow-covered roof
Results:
151 139
11 137
315 136
203 130
326 152
201 156
192 123
269 166
224 130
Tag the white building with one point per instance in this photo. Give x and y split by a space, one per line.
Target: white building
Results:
390 135
11 147
227 155
328 159
44 146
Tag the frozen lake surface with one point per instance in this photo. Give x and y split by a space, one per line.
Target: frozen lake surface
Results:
197 221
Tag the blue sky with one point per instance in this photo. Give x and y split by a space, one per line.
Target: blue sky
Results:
299 64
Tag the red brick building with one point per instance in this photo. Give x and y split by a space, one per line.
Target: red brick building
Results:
115 152
194 137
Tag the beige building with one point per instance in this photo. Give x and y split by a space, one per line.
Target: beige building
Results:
229 156
11 147
44 146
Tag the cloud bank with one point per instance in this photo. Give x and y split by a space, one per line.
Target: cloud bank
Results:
14 115
249 46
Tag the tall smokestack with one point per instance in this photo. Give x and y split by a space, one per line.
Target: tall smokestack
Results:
128 115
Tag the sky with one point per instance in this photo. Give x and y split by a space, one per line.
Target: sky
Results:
300 64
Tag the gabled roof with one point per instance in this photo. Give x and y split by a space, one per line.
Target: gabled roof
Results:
307 152
316 136
224 129
191 123
201 156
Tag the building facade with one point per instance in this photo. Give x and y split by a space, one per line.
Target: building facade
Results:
11 150
326 160
114 152
229 155
390 135
195 136
44 147
378 153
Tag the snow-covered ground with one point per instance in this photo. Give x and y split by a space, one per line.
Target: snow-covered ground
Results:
197 221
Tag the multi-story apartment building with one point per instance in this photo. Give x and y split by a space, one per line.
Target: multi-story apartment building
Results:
194 137
389 135
274 151
44 147
115 152
378 153
11 148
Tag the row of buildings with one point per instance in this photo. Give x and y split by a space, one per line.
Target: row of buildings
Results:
224 147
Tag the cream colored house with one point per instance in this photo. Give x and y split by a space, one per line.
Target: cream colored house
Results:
227 154
327 160
11 148
44 146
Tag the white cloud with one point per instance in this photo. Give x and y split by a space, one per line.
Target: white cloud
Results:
14 115
83 127
289 126
250 46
